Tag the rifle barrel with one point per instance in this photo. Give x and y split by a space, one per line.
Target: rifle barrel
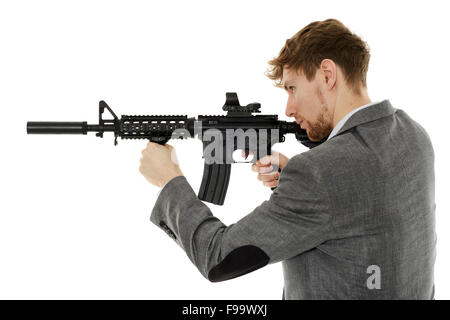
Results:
57 127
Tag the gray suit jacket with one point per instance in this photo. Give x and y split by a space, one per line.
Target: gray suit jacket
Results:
353 218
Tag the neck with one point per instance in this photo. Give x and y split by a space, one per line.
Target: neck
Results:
346 102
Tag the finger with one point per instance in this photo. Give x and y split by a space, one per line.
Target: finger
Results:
262 165
273 158
267 169
268 176
271 184
265 163
152 146
266 160
262 169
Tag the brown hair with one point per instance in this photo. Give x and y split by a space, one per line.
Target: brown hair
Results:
328 39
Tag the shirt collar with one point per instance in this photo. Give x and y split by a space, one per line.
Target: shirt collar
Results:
344 119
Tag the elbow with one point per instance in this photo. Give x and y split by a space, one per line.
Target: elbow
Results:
237 263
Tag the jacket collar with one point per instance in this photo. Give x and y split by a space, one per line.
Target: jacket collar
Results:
374 112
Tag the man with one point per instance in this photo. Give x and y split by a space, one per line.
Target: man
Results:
352 218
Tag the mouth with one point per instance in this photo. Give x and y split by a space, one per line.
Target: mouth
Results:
300 123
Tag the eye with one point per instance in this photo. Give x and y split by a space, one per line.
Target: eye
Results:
291 88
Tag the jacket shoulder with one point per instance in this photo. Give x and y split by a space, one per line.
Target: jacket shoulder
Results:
334 149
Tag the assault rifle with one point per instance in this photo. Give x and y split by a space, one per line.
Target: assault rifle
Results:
221 136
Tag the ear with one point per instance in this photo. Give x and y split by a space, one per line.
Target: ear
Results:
328 71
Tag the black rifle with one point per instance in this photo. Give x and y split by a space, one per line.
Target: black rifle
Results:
160 129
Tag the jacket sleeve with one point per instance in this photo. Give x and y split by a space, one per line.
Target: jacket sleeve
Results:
295 219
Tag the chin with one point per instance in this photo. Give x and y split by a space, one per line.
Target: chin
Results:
311 138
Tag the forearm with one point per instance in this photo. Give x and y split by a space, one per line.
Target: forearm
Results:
190 222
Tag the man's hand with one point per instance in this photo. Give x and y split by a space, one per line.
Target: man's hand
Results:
264 168
159 164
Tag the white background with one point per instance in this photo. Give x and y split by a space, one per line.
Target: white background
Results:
74 210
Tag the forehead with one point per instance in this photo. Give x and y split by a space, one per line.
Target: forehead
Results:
290 75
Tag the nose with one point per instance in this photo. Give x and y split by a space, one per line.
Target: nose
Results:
290 107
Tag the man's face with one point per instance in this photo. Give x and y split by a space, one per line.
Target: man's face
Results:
307 104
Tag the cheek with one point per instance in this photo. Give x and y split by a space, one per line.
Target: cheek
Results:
299 100
310 105
302 104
